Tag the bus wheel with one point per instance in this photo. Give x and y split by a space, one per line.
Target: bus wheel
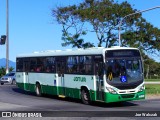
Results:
85 96
38 90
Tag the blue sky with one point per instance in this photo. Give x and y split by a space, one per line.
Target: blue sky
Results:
32 28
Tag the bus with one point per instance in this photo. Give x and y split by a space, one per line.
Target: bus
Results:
94 74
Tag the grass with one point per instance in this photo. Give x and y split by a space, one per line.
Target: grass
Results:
153 89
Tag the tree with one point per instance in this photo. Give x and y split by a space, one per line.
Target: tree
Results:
72 27
145 37
151 67
103 17
3 70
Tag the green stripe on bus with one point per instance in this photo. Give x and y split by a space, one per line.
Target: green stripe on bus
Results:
75 93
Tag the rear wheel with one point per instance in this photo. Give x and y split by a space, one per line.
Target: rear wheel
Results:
85 96
38 90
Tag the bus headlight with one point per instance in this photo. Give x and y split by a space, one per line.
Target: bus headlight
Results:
111 90
141 88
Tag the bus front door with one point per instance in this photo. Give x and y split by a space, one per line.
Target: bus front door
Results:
61 81
26 78
99 81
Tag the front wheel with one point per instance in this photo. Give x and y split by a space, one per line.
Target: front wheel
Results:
85 96
13 82
2 83
38 90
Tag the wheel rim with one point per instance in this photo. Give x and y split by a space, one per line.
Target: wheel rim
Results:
37 90
85 96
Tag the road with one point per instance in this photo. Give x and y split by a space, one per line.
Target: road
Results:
15 99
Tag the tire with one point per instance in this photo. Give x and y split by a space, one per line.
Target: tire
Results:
38 90
85 96
13 82
2 83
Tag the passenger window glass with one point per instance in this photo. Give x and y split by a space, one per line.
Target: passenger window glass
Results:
73 64
50 64
19 64
33 64
88 64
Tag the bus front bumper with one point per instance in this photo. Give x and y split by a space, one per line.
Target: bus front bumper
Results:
124 97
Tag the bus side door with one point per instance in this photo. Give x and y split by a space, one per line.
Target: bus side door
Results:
61 80
98 68
26 78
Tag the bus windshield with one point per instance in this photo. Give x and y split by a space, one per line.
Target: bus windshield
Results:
123 70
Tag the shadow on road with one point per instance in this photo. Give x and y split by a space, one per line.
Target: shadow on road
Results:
18 90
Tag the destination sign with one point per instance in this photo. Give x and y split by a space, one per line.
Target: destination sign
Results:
122 53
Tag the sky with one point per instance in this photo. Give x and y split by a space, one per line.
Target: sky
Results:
32 27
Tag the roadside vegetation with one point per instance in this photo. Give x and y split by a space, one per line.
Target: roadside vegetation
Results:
3 70
153 89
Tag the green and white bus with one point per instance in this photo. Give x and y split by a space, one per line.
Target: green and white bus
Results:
93 74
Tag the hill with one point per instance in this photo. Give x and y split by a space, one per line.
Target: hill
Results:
3 63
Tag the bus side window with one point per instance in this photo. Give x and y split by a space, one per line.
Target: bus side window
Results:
33 64
19 64
49 65
88 64
81 65
47 69
58 69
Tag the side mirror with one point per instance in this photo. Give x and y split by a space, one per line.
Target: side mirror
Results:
3 40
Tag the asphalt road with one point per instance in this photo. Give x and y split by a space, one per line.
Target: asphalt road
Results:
13 99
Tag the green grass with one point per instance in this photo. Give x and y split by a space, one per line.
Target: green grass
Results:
153 89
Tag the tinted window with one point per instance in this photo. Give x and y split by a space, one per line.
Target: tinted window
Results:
50 64
79 64
33 64
19 64
72 64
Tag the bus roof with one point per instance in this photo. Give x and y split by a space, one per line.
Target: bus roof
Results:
81 51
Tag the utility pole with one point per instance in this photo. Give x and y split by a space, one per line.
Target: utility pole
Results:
120 23
7 38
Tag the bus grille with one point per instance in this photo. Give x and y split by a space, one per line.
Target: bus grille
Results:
128 96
